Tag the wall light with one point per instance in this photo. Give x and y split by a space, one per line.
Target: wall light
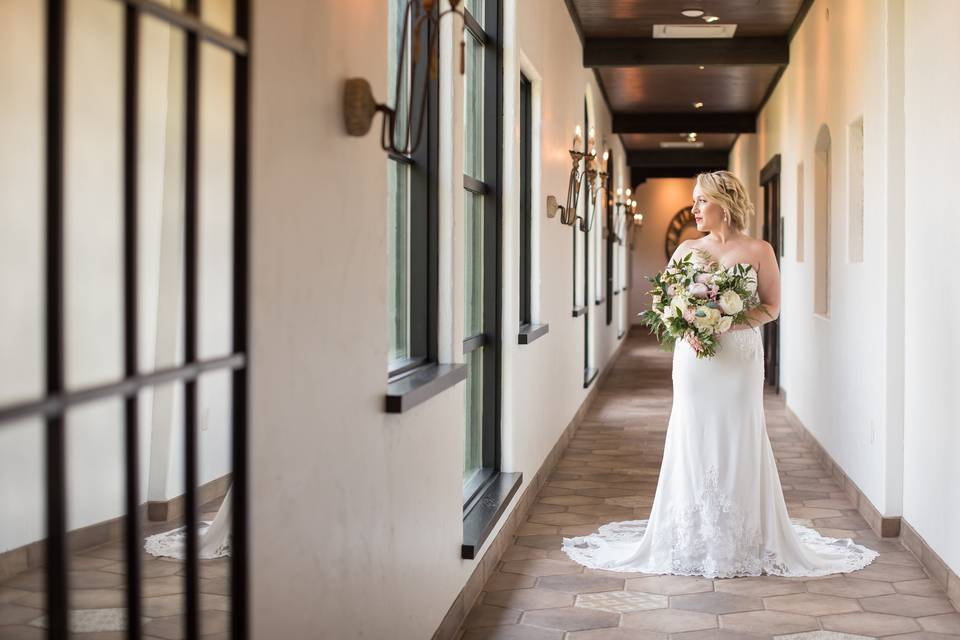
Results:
359 105
593 177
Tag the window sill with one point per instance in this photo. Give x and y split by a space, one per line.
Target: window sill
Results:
579 311
589 375
530 332
480 516
421 384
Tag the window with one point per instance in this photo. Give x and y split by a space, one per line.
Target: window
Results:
855 186
526 197
610 233
411 215
822 215
481 210
583 239
800 212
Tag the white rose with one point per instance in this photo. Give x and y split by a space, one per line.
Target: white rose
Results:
709 318
731 303
724 325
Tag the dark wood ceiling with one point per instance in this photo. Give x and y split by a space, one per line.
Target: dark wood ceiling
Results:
635 18
675 88
651 84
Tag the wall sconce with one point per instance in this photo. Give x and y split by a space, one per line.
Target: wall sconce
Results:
359 105
593 176
621 203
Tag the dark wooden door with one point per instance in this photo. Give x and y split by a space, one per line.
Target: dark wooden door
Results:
772 233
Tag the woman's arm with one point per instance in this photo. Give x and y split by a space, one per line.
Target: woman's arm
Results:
768 288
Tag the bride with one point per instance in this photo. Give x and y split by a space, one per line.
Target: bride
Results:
719 509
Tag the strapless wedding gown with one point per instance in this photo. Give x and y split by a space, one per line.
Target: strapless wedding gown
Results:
719 509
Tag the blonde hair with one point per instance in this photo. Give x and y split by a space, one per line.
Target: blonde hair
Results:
725 189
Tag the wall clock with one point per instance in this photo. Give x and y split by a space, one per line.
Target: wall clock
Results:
681 227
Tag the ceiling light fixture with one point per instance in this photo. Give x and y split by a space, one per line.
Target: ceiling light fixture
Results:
701 67
698 105
711 18
692 13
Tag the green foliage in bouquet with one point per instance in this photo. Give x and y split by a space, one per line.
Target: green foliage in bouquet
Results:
696 299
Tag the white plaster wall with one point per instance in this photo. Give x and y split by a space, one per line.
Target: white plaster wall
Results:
932 349
658 199
351 506
835 369
93 261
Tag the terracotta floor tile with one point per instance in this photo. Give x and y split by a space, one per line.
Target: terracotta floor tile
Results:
716 602
528 599
768 622
669 620
811 604
484 615
671 585
870 624
907 605
571 619
943 623
759 587
512 632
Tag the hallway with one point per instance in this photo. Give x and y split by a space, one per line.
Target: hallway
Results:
609 472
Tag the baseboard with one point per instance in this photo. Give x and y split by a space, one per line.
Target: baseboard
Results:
486 565
935 567
883 526
32 555
172 509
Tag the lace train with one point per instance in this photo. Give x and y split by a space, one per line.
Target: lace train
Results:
214 537
743 558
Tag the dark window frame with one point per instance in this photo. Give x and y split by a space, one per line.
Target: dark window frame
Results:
589 373
489 486
526 200
423 227
610 234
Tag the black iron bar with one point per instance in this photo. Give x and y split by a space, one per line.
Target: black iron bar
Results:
191 203
132 534
191 23
241 125
56 489
58 403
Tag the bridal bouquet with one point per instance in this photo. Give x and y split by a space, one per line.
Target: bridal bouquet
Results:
696 299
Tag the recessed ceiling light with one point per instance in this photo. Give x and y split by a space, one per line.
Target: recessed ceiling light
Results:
692 13
701 67
698 105
711 18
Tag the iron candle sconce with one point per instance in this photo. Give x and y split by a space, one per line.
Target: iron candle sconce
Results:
592 177
359 105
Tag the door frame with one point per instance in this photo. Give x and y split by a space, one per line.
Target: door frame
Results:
772 233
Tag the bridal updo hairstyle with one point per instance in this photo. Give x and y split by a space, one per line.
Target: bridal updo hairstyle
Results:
725 189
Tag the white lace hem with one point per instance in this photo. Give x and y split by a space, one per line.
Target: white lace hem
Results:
171 544
839 555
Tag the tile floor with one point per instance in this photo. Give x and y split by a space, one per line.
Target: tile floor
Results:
609 472
97 595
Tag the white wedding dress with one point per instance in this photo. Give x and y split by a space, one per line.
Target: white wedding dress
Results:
214 537
719 509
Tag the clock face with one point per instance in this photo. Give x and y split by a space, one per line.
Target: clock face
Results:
681 227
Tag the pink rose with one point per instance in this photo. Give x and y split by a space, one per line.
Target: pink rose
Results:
703 278
698 290
694 342
689 314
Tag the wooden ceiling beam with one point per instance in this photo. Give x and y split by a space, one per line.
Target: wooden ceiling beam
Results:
630 52
640 175
683 122
678 158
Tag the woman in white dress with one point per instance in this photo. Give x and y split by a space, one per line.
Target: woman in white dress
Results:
719 509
